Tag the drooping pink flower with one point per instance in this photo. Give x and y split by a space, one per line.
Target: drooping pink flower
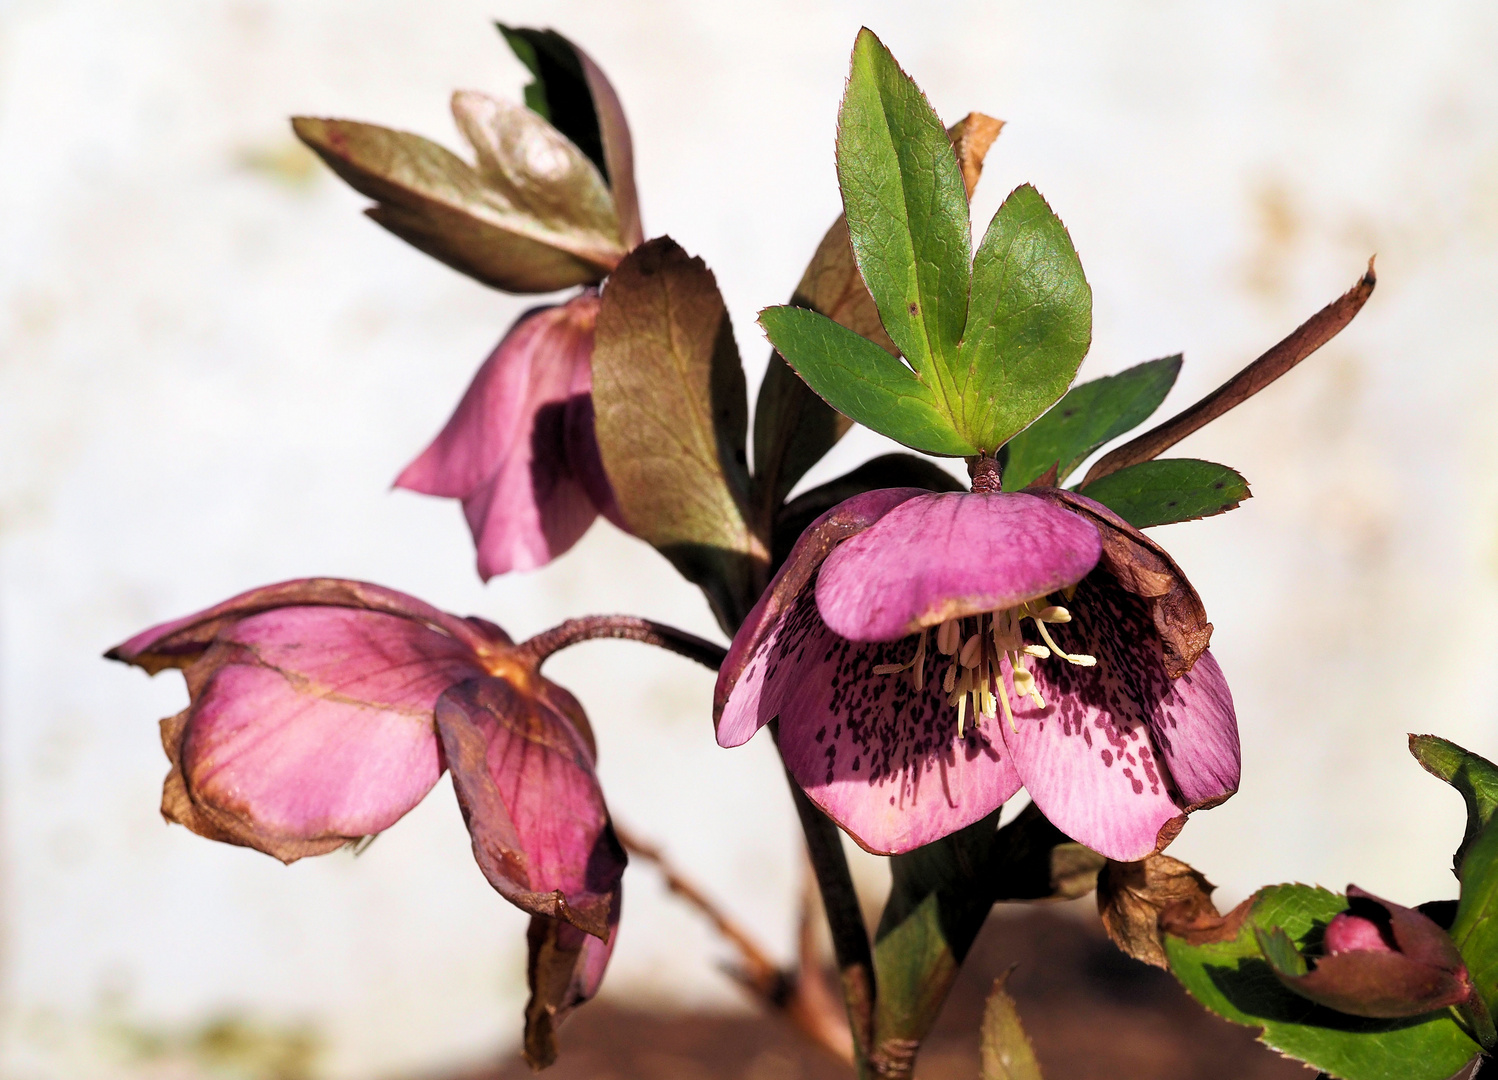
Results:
1377 959
927 655
321 711
520 451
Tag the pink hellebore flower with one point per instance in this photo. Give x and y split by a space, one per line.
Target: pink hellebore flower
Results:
927 655
322 710
520 450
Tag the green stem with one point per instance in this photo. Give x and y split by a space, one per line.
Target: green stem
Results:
850 935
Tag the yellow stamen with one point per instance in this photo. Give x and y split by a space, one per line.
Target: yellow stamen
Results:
973 678
1080 659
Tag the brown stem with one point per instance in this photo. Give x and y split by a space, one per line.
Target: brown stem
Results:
628 628
1307 338
794 995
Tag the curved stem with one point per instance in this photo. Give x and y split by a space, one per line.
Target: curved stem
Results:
799 994
628 628
1307 338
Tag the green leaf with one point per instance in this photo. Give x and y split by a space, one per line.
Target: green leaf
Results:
1004 1049
1232 978
1475 928
671 412
1088 416
1173 489
939 898
559 92
1029 322
504 223
885 471
907 211
862 381
1475 777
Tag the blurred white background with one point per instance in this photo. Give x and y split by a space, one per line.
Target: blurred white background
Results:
211 367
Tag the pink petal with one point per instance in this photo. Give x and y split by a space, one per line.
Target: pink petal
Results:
313 726
1090 759
881 759
941 556
524 778
1196 732
1353 933
181 641
848 518
504 452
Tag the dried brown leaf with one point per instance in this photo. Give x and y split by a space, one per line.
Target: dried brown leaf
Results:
1131 898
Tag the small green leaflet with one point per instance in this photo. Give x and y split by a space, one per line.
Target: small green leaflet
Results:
1090 415
1233 979
1029 322
981 366
1168 490
862 381
1475 777
906 208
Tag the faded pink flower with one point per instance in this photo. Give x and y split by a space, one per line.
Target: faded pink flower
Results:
321 711
520 451
927 655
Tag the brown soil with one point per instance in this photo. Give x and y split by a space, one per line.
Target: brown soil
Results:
1092 1013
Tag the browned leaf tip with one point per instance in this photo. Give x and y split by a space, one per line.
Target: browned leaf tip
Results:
971 137
1133 897
1306 339
558 980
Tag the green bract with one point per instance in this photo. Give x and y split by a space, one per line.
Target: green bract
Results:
1168 490
989 345
1090 414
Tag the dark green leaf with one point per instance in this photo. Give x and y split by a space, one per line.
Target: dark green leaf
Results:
1004 1049
1173 489
862 381
1475 929
907 211
671 409
560 91
1088 416
1475 777
886 471
1029 322
1232 978
503 223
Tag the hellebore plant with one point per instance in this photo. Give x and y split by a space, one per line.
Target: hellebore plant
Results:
921 649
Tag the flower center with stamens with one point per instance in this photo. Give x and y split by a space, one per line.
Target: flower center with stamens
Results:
976 644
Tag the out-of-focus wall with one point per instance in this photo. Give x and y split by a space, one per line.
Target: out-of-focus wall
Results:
211 366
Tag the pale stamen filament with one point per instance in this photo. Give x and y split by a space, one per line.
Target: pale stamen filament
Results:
976 652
